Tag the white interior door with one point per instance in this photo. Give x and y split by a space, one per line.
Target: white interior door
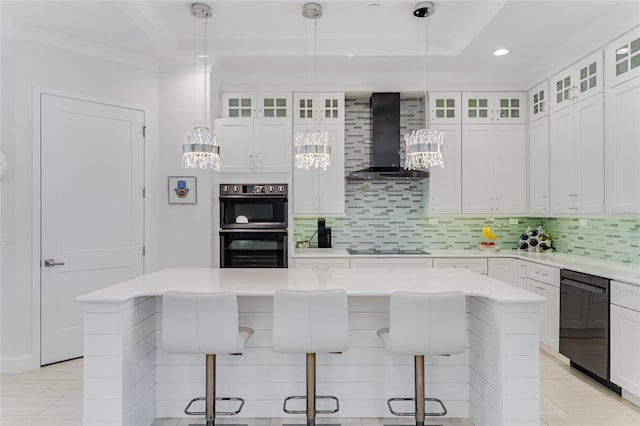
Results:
92 171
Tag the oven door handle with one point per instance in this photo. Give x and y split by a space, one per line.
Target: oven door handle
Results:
584 286
254 230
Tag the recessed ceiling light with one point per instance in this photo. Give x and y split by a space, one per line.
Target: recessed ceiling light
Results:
203 56
350 55
373 6
623 50
501 52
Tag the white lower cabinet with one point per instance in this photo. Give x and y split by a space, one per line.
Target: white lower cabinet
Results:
478 265
394 262
545 281
508 270
625 337
321 262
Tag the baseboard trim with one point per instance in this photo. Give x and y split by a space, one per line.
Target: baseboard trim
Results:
17 364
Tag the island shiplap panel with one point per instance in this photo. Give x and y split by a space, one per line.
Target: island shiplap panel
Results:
363 377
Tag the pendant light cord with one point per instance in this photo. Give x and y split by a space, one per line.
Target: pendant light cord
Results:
204 74
426 55
195 74
315 67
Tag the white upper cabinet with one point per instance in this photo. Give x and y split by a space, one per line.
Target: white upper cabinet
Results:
254 145
494 169
622 148
445 108
539 101
622 58
318 191
577 158
256 105
577 82
318 108
494 108
539 166
444 194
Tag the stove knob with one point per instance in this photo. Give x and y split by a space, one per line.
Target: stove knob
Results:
236 188
281 188
271 188
225 189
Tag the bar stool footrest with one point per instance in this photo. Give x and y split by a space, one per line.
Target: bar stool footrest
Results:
399 413
284 406
217 413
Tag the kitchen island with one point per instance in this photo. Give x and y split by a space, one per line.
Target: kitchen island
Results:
129 379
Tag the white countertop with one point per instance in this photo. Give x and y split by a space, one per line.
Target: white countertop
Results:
613 270
357 282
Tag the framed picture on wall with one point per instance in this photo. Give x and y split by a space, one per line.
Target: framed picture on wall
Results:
182 190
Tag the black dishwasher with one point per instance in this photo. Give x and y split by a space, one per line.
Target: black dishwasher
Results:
584 324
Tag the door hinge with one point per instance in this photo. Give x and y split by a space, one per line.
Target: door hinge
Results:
144 192
144 250
144 131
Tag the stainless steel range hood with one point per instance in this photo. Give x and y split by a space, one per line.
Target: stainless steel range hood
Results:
385 135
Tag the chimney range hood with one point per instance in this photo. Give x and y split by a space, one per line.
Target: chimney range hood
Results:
386 138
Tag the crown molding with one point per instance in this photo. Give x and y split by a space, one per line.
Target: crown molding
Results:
39 35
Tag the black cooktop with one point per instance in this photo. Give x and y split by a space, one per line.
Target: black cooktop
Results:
385 252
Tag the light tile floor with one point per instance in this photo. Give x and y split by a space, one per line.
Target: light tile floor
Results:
52 396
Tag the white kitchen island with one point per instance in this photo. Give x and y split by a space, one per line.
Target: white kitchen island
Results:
130 380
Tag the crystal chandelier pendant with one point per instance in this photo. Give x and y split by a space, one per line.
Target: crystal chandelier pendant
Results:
423 149
200 149
312 149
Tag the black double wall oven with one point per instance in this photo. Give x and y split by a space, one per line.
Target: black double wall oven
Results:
253 225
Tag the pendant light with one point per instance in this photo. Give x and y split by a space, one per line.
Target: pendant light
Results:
200 148
424 146
312 149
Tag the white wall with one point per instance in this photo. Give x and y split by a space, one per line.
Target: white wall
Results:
26 64
185 235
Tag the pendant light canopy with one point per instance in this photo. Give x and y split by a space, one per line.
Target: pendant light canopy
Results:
424 146
312 149
200 148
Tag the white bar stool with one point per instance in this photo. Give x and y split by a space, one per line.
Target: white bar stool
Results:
310 322
424 324
204 323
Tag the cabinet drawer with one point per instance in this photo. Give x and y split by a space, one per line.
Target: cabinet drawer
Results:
322 263
477 265
543 273
376 262
625 295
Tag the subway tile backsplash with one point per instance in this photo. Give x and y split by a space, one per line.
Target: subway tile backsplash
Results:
389 214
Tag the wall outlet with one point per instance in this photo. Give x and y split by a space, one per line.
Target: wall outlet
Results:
433 221
513 221
584 222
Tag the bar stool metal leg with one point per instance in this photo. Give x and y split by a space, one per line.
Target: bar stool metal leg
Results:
211 390
419 384
311 389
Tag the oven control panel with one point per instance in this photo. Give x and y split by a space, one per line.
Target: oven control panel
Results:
253 189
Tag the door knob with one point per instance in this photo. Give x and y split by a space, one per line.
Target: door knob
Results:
52 262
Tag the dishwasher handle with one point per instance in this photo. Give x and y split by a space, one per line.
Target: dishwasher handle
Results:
584 286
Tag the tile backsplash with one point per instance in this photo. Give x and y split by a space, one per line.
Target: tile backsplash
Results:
396 226
389 214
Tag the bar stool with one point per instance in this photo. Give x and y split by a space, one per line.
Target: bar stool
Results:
204 323
310 322
424 324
